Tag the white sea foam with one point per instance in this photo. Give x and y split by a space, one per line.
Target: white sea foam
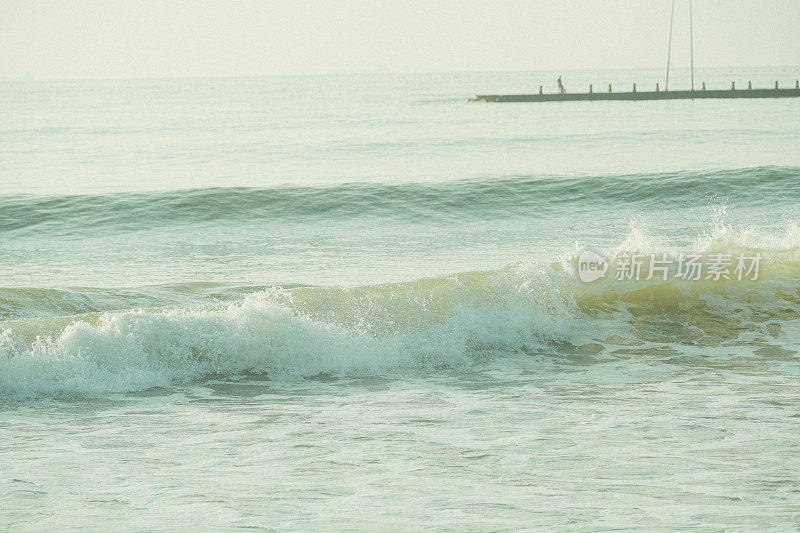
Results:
408 327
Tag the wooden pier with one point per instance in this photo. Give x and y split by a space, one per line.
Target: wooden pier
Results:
635 95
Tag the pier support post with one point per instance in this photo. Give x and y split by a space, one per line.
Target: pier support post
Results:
634 87
704 86
590 88
656 87
776 85
540 89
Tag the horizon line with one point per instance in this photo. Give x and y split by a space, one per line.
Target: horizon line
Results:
377 72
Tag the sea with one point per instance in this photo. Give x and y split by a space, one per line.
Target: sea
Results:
352 302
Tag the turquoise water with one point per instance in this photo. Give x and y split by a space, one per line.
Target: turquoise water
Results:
350 302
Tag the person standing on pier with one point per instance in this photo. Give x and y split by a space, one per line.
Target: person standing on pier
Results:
561 88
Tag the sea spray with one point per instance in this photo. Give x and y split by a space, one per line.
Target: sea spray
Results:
306 331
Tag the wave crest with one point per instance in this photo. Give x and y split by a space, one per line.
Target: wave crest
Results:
499 197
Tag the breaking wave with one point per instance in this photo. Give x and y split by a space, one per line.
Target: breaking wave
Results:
305 331
421 326
90 342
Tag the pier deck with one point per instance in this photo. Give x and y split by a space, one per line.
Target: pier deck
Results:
634 96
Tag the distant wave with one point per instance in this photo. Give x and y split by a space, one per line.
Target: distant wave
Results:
456 200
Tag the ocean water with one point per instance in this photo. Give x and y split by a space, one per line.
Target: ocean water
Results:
350 302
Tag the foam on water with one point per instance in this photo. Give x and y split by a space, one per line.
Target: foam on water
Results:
446 321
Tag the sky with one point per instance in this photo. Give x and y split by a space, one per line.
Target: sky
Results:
71 39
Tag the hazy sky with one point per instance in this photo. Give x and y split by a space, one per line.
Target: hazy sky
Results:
156 38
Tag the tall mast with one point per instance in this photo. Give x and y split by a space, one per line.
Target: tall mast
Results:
691 42
669 44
